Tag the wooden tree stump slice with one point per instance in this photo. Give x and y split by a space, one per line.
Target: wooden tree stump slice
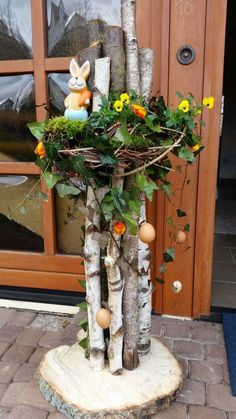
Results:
69 383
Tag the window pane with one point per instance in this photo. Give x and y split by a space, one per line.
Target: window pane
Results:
58 90
68 28
15 30
20 229
17 108
69 223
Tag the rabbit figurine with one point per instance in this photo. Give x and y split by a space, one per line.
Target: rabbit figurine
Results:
79 98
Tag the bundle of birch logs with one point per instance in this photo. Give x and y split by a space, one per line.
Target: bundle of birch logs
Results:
129 287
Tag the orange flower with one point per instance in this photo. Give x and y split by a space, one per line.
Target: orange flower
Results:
119 228
40 150
139 111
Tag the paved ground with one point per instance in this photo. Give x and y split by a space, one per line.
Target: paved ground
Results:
25 336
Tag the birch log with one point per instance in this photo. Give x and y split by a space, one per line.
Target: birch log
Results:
93 286
101 81
144 254
130 298
128 19
115 286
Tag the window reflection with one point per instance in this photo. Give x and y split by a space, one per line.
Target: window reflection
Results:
17 108
68 23
58 90
20 229
15 30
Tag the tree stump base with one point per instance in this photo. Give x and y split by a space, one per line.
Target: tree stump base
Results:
69 383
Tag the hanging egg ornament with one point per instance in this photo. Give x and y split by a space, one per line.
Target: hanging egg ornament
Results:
147 233
180 236
119 228
103 318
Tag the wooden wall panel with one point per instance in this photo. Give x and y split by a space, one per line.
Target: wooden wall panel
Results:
187 26
213 80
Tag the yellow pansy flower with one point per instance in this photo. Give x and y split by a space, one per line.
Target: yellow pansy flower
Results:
208 102
184 106
124 97
196 147
118 105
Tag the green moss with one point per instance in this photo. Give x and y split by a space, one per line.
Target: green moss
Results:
64 128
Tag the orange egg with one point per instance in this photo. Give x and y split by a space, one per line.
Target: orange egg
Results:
180 236
147 233
103 318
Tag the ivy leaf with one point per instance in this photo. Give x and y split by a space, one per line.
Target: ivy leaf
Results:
162 268
179 95
166 143
64 190
82 283
51 179
37 129
131 223
108 160
166 188
83 343
187 227
122 135
170 221
169 255
181 213
82 305
151 126
134 206
160 280
140 180
84 324
149 187
186 154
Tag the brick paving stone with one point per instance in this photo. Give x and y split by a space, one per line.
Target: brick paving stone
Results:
31 396
3 388
70 333
3 413
25 373
205 335
18 353
188 349
50 322
176 411
11 395
226 377
7 371
30 336
184 363
38 356
216 353
5 315
203 412
77 317
9 332
22 318
57 415
27 412
157 328
207 371
176 331
193 392
3 348
232 415
167 342
52 339
220 397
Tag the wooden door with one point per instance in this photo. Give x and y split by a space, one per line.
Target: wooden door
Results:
200 24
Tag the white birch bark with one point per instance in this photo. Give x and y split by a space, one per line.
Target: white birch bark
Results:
115 286
144 254
101 81
128 18
146 57
93 285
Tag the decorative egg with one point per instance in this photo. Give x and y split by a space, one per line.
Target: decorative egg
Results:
119 228
147 233
109 261
180 236
103 318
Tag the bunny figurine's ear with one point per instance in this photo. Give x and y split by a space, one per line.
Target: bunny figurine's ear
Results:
85 70
74 68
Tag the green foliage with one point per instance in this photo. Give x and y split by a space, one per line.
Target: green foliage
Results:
62 128
64 190
37 129
51 179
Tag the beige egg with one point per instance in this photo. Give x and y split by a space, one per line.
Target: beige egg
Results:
180 236
103 318
147 233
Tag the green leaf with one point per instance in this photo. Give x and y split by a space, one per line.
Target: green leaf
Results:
187 227
84 324
149 188
134 206
51 179
162 268
83 283
169 255
37 129
140 180
186 154
82 305
180 96
122 135
131 223
181 213
151 126
160 280
83 343
166 188
166 143
170 221
108 159
64 190
22 209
